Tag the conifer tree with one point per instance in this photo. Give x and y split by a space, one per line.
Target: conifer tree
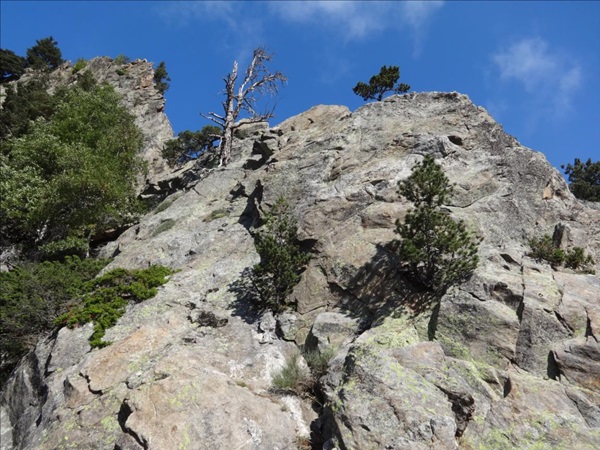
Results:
281 259
45 54
380 84
437 250
161 78
584 179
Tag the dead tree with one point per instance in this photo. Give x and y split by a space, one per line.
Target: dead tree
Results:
257 82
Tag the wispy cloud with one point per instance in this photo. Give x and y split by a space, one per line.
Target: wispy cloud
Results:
547 76
355 20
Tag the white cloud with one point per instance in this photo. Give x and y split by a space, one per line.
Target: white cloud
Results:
355 20
547 76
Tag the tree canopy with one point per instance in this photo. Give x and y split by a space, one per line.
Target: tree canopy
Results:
190 145
45 54
72 174
584 179
380 84
12 66
161 77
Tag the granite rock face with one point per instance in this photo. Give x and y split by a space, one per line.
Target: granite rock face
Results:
509 359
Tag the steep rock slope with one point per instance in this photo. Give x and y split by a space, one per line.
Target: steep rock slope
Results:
510 359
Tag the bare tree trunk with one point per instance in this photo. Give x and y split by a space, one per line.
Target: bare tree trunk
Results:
257 82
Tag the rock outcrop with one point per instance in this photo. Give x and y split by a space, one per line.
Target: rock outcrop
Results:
509 359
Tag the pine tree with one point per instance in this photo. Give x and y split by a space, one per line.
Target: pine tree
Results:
383 82
281 260
584 179
161 78
437 251
45 55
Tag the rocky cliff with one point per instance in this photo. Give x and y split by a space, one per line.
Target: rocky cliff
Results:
509 359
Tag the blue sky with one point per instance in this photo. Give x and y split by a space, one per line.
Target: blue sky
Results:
535 66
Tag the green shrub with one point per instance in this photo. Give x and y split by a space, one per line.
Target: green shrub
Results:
79 65
584 179
436 250
543 249
122 59
121 72
106 298
576 259
281 260
32 296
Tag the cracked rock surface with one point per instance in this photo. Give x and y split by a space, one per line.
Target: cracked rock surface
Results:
509 359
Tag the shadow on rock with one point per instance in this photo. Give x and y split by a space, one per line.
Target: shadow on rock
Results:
380 289
245 304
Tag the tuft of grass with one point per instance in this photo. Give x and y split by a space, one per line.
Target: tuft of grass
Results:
319 361
293 378
122 59
164 205
216 214
164 226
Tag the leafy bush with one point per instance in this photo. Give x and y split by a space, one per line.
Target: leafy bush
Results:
576 259
281 260
32 296
105 298
584 179
73 173
79 65
437 251
380 84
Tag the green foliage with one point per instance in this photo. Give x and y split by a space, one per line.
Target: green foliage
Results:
72 173
380 84
576 259
281 260
190 144
32 296
23 104
86 81
544 249
79 65
437 251
121 72
584 179
45 55
105 298
161 78
122 59
12 66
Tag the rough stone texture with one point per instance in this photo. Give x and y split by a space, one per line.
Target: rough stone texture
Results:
509 359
